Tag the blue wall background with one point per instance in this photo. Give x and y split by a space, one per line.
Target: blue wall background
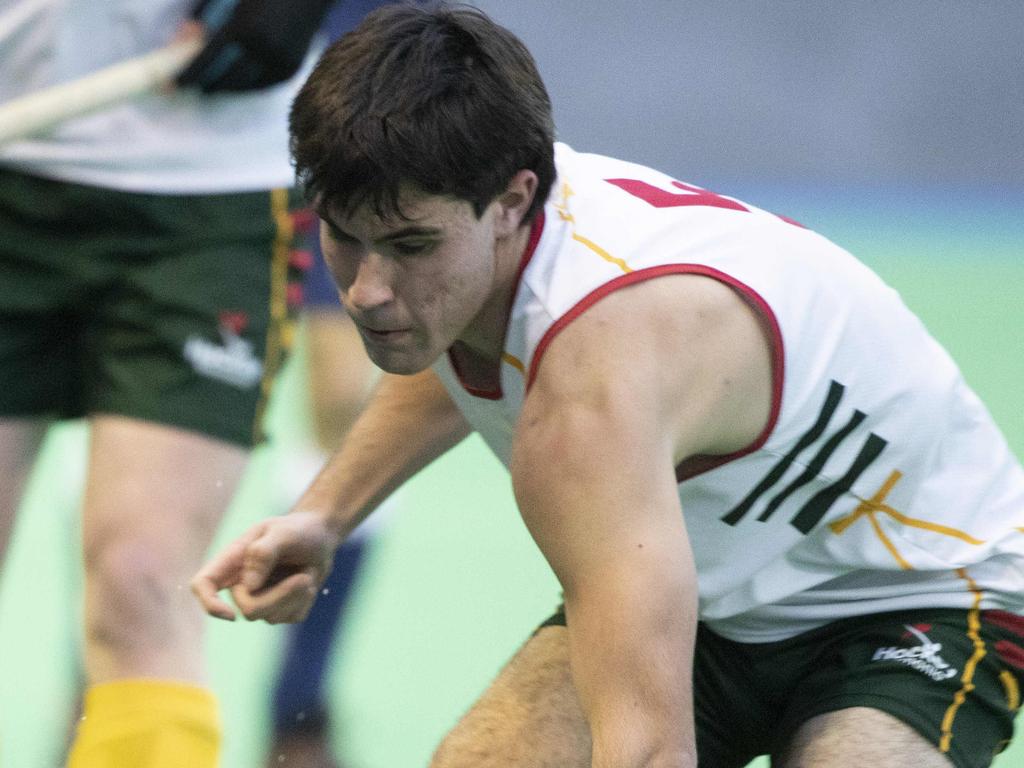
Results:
922 92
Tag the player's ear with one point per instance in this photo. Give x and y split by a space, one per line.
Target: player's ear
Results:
514 203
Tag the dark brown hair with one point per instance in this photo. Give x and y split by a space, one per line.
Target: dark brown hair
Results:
437 96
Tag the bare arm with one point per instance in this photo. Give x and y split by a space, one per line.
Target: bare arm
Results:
623 394
275 569
409 422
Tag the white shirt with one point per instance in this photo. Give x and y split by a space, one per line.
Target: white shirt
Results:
181 143
880 483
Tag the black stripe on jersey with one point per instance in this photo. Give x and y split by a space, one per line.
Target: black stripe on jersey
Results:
817 464
815 509
835 394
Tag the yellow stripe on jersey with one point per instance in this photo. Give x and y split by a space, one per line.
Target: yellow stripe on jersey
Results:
945 530
967 679
602 253
562 206
868 507
514 361
888 544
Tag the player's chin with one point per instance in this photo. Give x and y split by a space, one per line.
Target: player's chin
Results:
403 363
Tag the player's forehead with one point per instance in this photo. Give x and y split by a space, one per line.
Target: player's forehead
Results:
415 208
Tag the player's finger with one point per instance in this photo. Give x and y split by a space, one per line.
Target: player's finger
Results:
260 559
286 601
190 29
211 603
221 572
205 588
215 576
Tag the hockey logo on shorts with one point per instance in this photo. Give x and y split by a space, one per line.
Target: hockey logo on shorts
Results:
924 657
232 361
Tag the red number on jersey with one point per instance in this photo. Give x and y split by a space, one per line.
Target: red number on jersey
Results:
662 198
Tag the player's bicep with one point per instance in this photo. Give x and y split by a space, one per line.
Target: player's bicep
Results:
687 351
649 375
592 462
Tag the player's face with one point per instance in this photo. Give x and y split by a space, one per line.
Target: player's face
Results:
412 285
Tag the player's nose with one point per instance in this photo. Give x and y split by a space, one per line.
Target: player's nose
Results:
372 286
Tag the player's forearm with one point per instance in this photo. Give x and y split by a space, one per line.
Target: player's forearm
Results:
631 666
409 421
632 617
594 481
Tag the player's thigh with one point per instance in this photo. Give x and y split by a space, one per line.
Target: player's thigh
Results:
858 737
530 716
928 687
155 494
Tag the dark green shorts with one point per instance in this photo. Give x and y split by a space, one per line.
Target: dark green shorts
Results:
168 308
953 675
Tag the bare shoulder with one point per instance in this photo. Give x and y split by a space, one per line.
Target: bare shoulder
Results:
687 352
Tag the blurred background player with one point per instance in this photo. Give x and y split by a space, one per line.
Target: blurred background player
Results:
145 253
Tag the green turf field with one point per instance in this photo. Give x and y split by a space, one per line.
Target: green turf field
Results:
455 583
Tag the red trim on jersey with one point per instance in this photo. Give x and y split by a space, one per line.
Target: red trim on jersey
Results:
536 230
484 394
699 464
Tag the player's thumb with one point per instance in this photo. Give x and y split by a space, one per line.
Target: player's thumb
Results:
260 559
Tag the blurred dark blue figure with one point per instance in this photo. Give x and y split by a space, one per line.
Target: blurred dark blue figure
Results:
301 720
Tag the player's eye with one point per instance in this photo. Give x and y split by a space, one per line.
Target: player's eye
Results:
412 247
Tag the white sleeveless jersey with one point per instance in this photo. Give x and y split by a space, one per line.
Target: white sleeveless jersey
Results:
182 143
881 482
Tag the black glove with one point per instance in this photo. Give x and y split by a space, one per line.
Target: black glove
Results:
252 44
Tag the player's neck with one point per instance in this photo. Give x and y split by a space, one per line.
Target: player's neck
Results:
486 334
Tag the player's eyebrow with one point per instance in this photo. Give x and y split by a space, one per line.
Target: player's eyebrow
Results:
412 230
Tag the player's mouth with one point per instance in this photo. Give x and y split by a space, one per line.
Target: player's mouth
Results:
384 335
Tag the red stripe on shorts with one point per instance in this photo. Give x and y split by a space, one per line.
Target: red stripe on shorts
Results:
1006 620
1011 653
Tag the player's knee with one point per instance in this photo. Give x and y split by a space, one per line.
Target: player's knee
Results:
130 593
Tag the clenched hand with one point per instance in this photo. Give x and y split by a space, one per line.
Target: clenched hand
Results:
273 571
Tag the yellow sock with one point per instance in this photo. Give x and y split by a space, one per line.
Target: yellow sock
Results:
147 724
